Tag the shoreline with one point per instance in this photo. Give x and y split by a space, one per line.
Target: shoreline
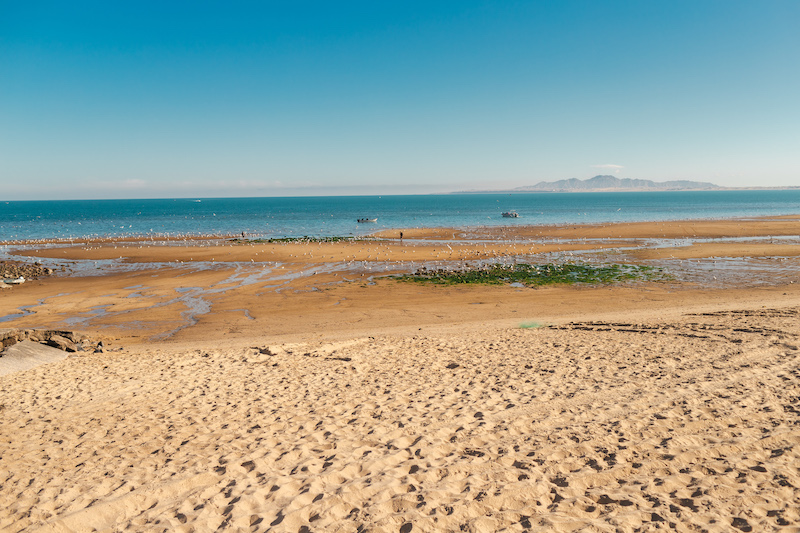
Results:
714 226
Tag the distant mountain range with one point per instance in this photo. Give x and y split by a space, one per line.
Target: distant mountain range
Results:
611 183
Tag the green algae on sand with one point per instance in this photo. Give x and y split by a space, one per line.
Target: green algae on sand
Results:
531 275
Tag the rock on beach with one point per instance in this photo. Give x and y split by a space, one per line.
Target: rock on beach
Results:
17 269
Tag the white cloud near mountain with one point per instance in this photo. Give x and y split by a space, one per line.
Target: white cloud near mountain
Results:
610 167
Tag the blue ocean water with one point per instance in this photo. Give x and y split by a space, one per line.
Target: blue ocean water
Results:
336 215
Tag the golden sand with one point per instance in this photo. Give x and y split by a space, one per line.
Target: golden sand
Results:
302 391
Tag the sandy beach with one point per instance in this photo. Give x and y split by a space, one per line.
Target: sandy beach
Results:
274 386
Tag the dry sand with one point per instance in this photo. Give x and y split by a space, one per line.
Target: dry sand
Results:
281 397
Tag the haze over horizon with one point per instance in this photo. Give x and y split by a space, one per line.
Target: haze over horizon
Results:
153 100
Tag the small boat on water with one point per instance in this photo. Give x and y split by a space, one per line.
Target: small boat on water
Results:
510 214
362 220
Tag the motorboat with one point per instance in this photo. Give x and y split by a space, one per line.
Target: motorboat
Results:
14 281
362 220
510 214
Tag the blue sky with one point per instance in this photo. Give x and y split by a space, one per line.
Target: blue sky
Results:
164 99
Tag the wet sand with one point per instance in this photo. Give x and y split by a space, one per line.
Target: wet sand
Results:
291 387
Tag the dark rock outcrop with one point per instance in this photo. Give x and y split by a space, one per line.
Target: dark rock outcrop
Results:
69 341
16 269
62 343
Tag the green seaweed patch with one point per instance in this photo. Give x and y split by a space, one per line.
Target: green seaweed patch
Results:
537 275
305 239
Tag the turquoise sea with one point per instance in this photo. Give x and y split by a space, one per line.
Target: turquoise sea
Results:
336 215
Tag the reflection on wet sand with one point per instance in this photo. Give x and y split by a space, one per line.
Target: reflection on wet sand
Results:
159 288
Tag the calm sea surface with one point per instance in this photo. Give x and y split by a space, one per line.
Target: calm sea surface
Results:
336 215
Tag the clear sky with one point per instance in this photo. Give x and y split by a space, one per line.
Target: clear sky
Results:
272 98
